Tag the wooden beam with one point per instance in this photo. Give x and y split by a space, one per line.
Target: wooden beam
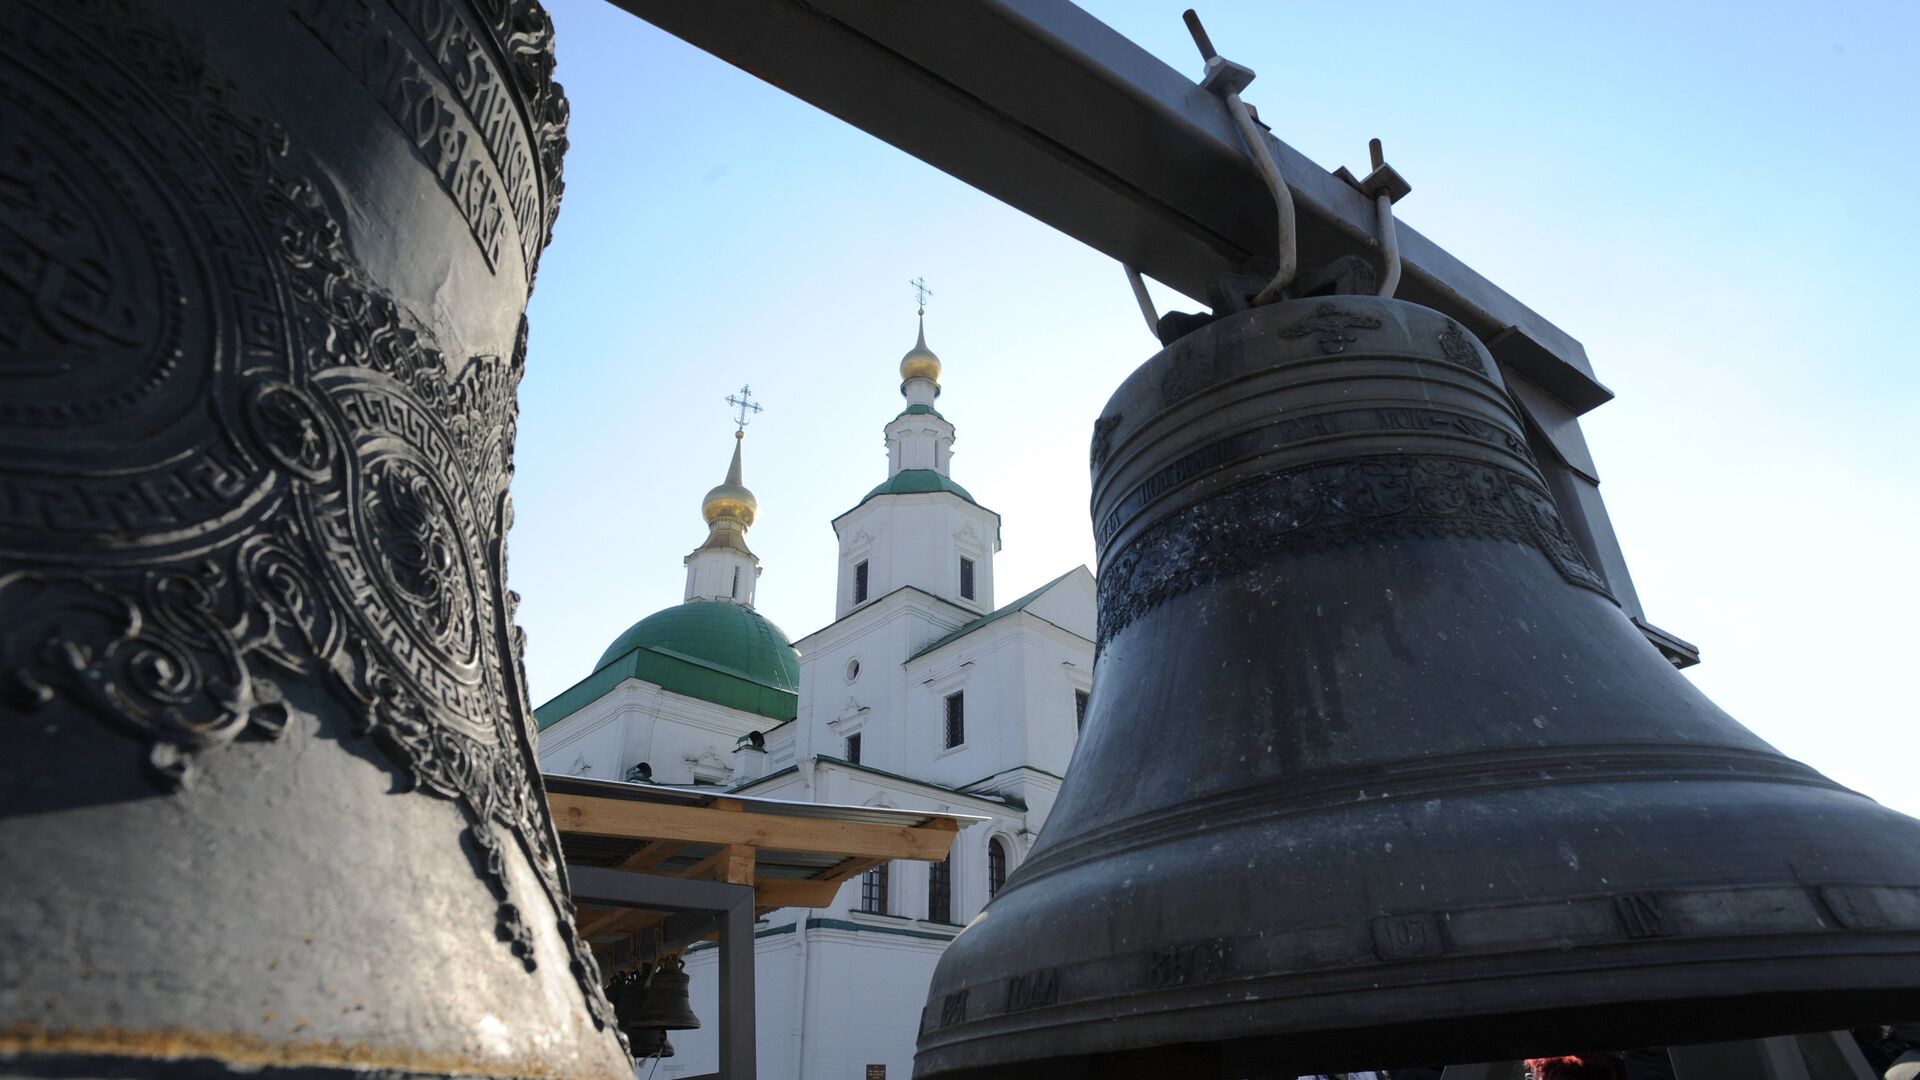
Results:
732 864
596 816
770 893
652 855
852 868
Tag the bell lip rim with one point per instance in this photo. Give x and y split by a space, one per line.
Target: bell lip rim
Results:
1796 998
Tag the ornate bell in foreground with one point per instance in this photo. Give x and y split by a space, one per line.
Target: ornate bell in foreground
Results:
1375 771
268 799
663 1005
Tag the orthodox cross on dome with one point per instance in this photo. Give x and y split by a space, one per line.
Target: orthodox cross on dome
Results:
921 292
744 407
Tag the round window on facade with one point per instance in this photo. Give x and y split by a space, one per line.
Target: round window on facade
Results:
853 669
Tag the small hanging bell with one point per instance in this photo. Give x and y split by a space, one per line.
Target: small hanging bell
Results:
664 1004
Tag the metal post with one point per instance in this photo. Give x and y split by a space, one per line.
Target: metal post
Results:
737 1025
1833 1055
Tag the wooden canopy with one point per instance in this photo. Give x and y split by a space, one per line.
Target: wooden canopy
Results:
793 854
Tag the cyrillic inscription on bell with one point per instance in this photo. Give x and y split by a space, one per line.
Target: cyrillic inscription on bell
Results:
1376 772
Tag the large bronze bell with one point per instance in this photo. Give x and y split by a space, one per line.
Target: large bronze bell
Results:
268 797
1375 770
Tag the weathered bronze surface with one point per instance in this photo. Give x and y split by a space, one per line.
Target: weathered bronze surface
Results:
1376 772
267 795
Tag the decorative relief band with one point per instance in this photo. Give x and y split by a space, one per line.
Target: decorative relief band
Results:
1247 444
297 491
1334 504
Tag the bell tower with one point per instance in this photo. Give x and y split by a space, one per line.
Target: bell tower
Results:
919 529
724 568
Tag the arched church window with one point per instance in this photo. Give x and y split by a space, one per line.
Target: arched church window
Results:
996 867
966 579
860 582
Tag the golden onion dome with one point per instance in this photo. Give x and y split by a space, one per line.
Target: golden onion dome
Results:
727 501
731 499
920 363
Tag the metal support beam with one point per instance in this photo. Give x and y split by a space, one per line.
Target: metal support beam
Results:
1050 110
695 906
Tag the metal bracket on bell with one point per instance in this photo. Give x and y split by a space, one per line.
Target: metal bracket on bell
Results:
1140 297
1385 186
1225 79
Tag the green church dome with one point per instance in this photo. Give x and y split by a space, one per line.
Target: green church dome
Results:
728 636
918 482
724 653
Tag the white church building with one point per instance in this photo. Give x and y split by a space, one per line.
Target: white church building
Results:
921 694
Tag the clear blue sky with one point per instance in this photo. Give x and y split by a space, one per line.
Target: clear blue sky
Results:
1712 197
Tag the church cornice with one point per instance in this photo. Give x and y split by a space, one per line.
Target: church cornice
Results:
997 776
998 804
999 614
864 613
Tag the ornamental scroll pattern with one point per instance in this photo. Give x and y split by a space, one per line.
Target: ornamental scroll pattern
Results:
1331 505
262 470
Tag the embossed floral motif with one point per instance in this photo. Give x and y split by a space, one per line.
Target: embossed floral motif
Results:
1331 328
1458 348
289 426
161 665
422 557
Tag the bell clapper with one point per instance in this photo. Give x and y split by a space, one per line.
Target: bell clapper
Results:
1385 186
